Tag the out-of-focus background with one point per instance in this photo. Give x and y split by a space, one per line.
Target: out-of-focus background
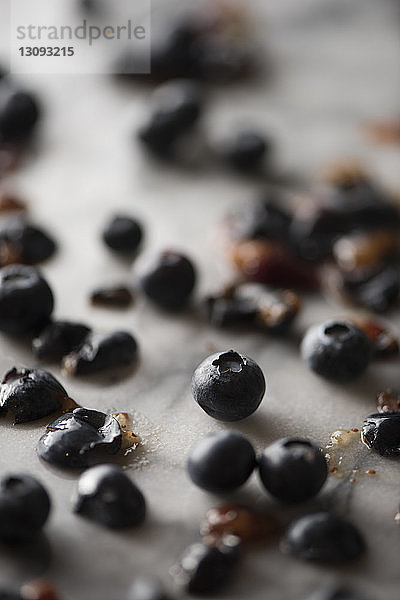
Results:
326 68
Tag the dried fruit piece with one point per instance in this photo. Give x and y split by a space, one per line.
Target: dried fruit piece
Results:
386 132
10 203
366 250
384 342
246 523
39 590
388 400
112 297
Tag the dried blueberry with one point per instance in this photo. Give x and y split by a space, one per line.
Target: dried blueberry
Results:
336 350
388 400
245 151
323 537
31 394
293 470
221 462
228 386
22 242
336 592
147 588
19 113
112 297
202 569
123 234
26 300
170 280
24 507
101 352
106 495
381 432
58 339
80 439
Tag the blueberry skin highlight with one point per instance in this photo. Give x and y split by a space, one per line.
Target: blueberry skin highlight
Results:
107 496
80 439
228 386
30 394
381 432
24 507
323 537
336 350
221 462
293 470
123 234
26 300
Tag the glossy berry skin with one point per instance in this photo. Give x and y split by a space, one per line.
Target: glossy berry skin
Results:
228 386
123 234
336 592
31 394
245 151
336 350
323 537
24 507
58 339
202 569
26 300
221 462
101 352
147 588
107 496
19 113
381 432
169 282
80 439
293 470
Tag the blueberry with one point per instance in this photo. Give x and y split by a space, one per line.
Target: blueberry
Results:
293 470
19 113
147 588
24 507
221 462
80 439
323 537
170 280
112 297
26 300
123 234
202 569
245 151
22 242
381 432
228 386
58 339
107 496
31 394
336 592
101 352
377 290
267 219
336 350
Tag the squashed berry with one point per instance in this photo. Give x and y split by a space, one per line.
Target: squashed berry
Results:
221 462
106 495
58 339
381 432
80 439
228 386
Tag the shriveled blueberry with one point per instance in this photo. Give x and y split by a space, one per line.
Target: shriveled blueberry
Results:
202 569
293 470
22 242
112 297
58 339
24 507
123 234
80 439
336 350
31 394
228 386
19 113
169 282
323 537
378 290
221 462
106 495
245 151
26 300
381 432
336 592
147 588
101 352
